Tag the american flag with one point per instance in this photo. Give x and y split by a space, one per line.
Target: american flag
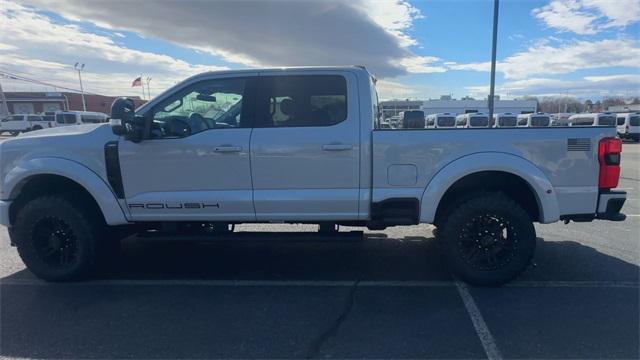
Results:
137 82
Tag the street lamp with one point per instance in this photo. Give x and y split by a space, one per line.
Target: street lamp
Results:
79 67
492 87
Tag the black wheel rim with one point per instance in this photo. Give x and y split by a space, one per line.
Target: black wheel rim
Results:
55 242
488 242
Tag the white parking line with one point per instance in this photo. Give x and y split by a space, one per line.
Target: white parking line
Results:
311 283
488 343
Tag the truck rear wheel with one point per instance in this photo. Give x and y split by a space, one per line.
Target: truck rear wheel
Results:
57 239
488 239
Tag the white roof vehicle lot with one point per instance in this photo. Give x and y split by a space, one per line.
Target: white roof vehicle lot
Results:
472 120
24 122
629 125
442 120
299 145
534 120
66 118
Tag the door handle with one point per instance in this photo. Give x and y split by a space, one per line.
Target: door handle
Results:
336 147
227 149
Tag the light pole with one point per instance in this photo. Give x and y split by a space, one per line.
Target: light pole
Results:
492 89
4 109
79 70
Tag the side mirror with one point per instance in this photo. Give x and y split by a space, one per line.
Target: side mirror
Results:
124 122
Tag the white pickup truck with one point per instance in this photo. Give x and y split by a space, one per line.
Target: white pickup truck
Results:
297 145
15 124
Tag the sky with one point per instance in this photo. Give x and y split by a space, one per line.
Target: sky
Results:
417 49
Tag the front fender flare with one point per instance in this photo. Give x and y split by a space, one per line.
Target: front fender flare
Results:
490 161
72 170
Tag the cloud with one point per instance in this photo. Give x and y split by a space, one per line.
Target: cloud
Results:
601 85
587 17
261 33
566 58
422 65
27 49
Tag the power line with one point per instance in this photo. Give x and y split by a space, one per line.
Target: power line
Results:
13 76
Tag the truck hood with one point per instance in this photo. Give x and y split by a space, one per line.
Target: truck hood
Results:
61 131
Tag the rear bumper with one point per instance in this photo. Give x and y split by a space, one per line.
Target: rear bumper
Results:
609 205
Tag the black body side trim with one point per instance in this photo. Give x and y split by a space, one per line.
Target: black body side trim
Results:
112 161
396 211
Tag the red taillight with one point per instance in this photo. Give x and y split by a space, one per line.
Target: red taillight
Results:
609 151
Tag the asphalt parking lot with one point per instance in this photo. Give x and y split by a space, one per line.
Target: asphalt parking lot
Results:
388 295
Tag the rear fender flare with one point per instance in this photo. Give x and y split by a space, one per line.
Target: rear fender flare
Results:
490 161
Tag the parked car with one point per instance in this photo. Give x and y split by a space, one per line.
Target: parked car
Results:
17 123
472 120
413 119
65 118
590 119
629 126
306 148
441 120
505 120
534 120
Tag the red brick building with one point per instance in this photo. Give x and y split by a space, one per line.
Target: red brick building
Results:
38 102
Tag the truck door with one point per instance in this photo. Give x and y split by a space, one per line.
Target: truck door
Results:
194 163
305 147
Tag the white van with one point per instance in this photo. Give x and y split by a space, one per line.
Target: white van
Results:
629 126
534 120
594 119
472 120
505 120
64 118
558 119
17 123
441 120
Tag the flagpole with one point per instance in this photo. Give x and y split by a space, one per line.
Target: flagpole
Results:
142 86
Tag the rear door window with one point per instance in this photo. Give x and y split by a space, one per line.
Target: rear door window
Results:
302 101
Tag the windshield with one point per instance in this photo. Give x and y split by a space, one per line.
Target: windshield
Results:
446 121
540 121
507 121
479 121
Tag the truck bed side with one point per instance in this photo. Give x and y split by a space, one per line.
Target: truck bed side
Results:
561 164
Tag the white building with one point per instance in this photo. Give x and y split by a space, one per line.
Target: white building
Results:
467 106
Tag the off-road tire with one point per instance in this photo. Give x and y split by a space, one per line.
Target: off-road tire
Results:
73 228
488 239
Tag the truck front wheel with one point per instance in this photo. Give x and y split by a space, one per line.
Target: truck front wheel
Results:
56 238
488 239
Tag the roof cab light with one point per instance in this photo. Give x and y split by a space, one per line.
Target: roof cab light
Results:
609 151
